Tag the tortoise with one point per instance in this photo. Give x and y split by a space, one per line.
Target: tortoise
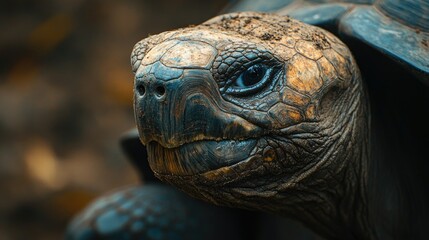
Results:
320 119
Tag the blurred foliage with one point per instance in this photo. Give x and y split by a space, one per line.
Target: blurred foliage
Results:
65 98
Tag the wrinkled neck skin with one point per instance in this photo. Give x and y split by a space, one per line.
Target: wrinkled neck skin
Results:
333 201
337 205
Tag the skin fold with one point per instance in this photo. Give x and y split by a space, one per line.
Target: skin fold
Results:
260 112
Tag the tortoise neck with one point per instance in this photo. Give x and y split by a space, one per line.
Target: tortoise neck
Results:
350 214
344 213
333 199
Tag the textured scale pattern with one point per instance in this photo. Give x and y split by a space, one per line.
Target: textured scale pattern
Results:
152 212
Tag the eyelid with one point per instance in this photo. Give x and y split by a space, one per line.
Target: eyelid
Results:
238 91
227 66
269 63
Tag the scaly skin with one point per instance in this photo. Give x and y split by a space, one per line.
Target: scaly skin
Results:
293 143
152 211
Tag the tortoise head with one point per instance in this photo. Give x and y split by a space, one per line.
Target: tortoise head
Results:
248 109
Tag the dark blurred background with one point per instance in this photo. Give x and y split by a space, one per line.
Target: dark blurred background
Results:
65 99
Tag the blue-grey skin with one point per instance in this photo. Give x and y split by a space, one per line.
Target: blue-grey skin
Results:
120 215
398 29
151 211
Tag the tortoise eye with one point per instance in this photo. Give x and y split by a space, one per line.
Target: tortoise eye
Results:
252 76
251 80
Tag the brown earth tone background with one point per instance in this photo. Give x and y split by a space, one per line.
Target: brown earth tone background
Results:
65 99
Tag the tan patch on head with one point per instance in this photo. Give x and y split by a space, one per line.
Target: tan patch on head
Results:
339 63
285 53
191 54
328 71
211 36
303 75
294 115
288 41
262 33
332 38
284 115
294 98
156 52
308 49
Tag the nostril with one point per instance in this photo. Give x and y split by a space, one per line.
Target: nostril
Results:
160 90
141 89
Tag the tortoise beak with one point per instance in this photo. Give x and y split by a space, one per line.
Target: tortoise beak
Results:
187 126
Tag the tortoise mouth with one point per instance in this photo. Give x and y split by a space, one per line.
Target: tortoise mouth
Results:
199 156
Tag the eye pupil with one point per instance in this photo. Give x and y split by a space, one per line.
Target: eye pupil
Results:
251 76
